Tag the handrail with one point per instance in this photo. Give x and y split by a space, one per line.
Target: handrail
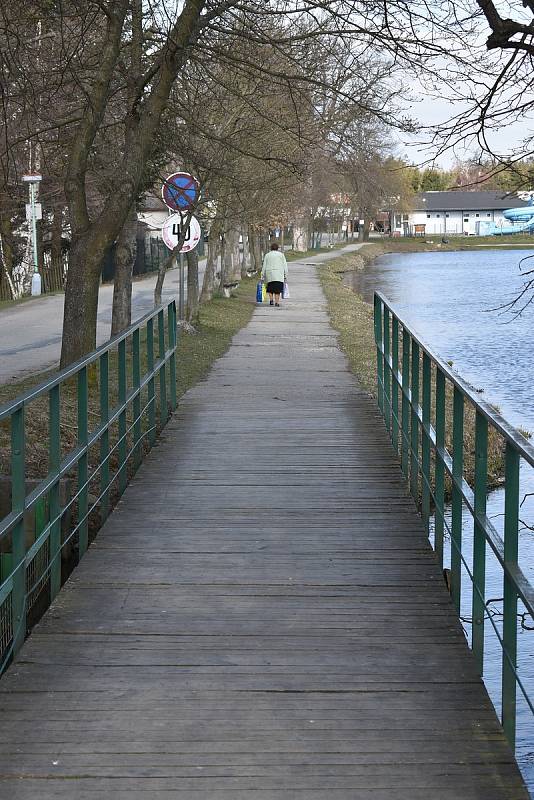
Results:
415 386
68 372
41 524
502 425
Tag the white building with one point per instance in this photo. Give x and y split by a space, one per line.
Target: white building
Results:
153 212
454 212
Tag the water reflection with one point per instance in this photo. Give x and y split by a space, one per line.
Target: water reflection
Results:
447 297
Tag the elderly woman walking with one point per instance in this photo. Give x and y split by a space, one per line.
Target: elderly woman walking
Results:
274 271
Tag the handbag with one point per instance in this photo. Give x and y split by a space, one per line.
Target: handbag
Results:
285 293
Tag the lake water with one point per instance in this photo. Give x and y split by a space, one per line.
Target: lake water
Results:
447 298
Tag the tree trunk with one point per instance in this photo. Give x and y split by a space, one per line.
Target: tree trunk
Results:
214 245
167 264
191 311
265 243
225 249
300 235
245 255
232 269
81 300
125 255
56 245
91 237
254 247
6 237
363 230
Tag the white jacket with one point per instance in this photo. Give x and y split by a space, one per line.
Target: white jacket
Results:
274 266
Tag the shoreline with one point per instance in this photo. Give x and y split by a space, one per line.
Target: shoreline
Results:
353 318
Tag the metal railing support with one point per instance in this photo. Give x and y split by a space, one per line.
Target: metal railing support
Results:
423 443
95 462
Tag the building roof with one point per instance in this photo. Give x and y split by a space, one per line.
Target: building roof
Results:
466 201
152 202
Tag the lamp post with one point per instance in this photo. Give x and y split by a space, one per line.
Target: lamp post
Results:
32 210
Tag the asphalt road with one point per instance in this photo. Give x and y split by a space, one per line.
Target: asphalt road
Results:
30 333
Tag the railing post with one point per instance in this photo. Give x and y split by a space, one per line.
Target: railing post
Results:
123 444
386 371
379 332
136 404
18 495
405 429
425 444
83 492
104 439
479 540
439 489
457 504
395 383
151 386
163 408
171 322
54 497
414 427
511 526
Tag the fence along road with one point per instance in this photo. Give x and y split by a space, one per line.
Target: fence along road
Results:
262 616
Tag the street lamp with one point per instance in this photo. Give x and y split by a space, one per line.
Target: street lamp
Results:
33 212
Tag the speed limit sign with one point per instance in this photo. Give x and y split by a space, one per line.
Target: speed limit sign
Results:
172 230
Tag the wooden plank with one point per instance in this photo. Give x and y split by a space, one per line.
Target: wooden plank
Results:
261 617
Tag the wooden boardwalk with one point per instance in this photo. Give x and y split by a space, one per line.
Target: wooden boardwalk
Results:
262 617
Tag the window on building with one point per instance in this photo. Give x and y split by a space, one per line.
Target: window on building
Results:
477 215
488 214
405 218
466 219
428 216
398 220
438 215
446 215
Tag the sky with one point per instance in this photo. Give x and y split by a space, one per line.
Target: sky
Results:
432 111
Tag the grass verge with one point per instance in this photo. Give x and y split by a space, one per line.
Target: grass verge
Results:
352 317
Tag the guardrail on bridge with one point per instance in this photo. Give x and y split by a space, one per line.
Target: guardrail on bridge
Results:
119 395
415 387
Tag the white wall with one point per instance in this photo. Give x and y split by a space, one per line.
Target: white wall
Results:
155 221
451 222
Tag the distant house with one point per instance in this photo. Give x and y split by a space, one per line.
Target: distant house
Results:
454 212
153 212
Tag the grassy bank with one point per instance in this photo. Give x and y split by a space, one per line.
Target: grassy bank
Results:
352 317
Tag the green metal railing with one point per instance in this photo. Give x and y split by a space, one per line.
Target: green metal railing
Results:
119 395
421 399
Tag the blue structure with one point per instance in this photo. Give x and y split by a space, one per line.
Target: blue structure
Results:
522 220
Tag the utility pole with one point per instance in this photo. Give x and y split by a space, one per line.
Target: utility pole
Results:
34 212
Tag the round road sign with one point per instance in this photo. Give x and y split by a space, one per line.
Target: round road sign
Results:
180 191
172 229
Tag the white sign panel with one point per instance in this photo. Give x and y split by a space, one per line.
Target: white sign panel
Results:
173 228
38 211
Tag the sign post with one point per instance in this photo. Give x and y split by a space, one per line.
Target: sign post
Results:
34 210
181 299
181 192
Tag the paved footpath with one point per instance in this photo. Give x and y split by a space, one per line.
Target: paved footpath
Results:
262 617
